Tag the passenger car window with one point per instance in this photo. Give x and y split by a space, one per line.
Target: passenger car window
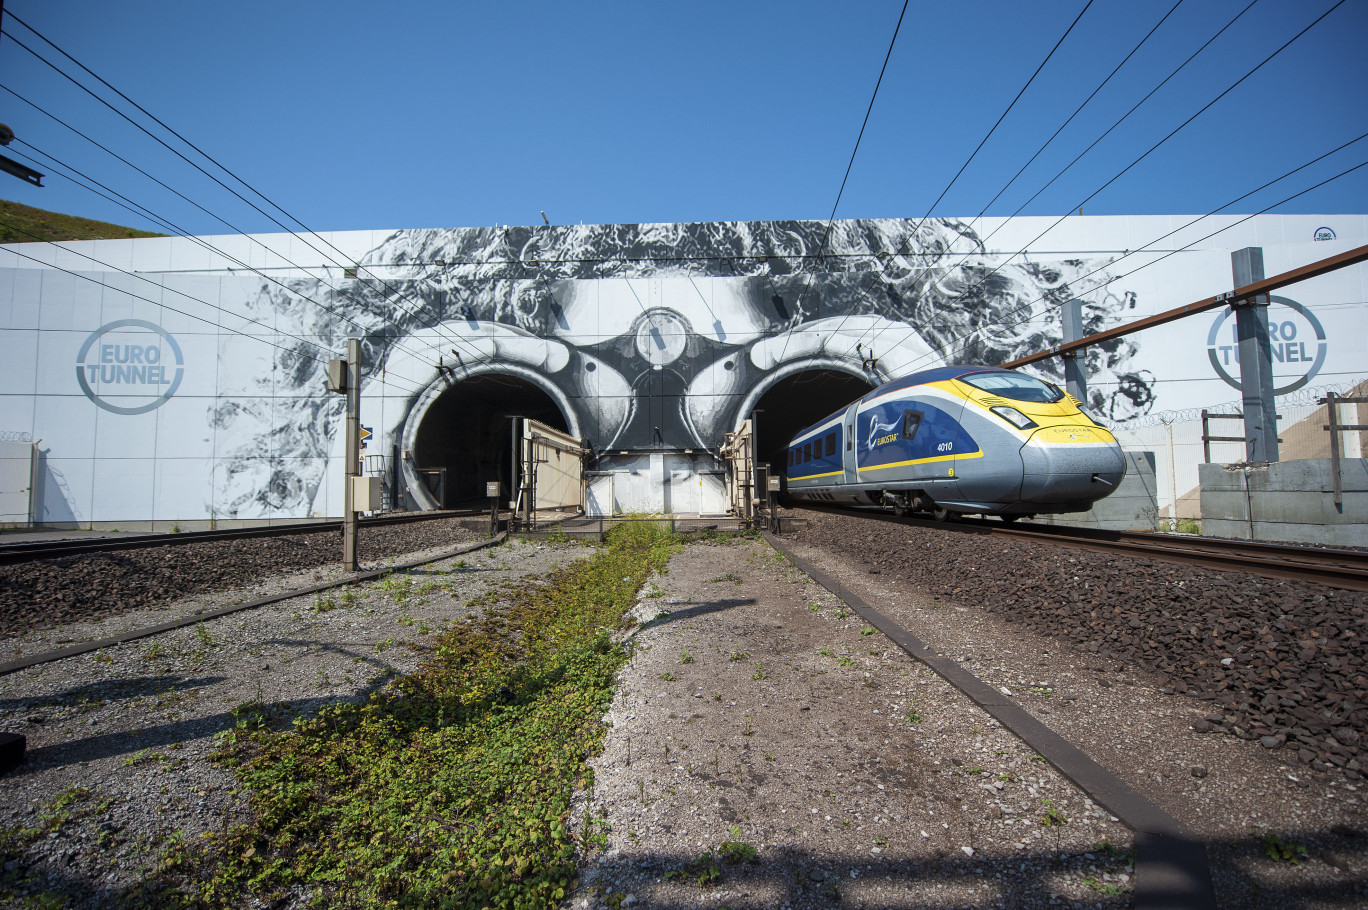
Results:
807 451
911 420
831 444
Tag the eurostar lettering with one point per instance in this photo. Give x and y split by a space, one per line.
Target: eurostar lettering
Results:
130 366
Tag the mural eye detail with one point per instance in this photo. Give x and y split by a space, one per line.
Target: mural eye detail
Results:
729 365
661 336
590 367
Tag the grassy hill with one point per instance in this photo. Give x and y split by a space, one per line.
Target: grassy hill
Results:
25 224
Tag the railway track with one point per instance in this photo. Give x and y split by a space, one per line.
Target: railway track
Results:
31 550
1337 568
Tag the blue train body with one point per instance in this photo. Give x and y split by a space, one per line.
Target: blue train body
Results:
959 439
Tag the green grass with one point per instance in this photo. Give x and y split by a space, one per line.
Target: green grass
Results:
450 788
25 224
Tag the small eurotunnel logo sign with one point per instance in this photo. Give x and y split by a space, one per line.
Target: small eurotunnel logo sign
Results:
130 366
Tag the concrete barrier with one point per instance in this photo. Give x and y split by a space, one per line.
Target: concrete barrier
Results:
1289 501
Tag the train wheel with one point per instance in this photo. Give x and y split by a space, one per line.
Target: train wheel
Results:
1008 519
940 514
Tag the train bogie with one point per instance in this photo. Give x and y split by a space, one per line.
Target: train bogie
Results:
958 439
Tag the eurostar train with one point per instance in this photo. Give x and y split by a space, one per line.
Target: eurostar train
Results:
958 439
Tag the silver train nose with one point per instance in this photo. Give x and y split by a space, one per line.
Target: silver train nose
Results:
1070 472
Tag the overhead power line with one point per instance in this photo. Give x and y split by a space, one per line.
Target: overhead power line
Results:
297 352
916 230
1003 321
389 288
826 234
984 278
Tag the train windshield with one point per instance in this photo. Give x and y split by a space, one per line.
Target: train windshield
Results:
1015 386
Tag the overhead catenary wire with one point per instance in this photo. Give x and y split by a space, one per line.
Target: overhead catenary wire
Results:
826 234
1003 116
964 258
983 279
296 352
132 206
1078 110
389 288
251 238
1124 117
1002 323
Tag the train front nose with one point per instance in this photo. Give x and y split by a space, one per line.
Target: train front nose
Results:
1070 465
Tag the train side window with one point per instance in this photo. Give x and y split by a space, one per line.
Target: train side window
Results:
807 452
850 438
831 444
911 421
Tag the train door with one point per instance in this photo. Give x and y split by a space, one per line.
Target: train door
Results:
851 472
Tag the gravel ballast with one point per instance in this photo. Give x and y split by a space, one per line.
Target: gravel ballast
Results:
42 594
757 711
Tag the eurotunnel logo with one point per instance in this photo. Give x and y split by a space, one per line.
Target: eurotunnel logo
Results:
130 366
1296 341
1323 233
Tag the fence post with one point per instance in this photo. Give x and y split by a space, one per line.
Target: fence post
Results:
1332 408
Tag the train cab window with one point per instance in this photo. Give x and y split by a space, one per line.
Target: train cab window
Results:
807 452
1015 386
830 444
911 420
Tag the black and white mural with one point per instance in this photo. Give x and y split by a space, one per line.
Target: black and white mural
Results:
649 342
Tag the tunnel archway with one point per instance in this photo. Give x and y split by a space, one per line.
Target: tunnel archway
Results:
799 399
461 437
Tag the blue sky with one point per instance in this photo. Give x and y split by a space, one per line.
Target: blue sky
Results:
412 114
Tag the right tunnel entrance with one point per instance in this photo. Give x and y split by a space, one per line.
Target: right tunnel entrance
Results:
799 401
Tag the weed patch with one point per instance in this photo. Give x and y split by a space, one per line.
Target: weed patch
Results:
451 787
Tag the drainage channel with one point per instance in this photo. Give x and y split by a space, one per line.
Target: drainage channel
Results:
1171 870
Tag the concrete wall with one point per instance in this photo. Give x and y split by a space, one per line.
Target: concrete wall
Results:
1290 501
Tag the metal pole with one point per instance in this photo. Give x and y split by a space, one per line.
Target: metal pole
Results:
1173 477
1256 360
1332 410
353 453
1075 374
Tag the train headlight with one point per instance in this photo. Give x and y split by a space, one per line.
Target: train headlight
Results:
1014 417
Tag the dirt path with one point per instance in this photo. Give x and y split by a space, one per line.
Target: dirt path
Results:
757 711
857 775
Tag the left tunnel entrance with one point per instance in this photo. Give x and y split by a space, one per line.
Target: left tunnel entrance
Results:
465 437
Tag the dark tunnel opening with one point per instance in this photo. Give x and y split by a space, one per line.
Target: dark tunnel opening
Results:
465 438
799 401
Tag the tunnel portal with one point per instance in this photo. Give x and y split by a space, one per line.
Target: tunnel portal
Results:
798 401
464 439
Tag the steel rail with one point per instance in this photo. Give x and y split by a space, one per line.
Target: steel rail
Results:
1335 568
1171 871
199 616
32 550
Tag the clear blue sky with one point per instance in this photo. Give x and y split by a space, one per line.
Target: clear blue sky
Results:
418 114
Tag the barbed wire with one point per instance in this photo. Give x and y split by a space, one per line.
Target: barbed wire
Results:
1307 396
